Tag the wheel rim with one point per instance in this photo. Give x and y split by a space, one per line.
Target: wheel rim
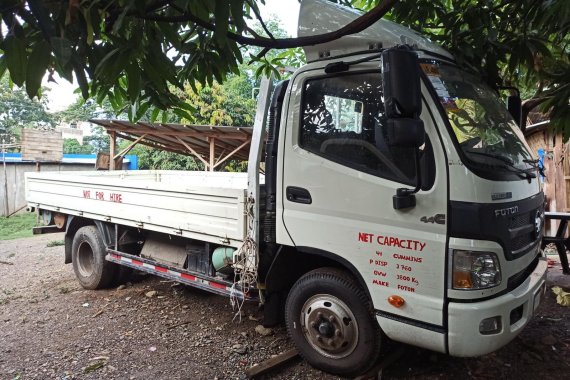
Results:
85 259
329 326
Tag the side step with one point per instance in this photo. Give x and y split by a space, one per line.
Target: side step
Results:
197 280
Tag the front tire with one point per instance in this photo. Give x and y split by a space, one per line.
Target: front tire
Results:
330 320
88 256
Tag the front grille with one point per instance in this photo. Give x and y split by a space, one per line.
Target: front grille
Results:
527 237
521 241
511 224
517 279
520 220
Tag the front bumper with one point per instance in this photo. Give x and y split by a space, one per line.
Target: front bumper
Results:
464 338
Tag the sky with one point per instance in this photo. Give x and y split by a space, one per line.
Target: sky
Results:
61 94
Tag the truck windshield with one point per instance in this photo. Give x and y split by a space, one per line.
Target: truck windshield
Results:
491 143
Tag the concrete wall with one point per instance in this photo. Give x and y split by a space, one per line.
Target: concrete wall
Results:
16 197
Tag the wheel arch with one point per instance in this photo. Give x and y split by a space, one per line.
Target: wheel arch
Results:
289 265
74 223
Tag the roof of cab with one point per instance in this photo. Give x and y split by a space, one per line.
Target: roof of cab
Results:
322 16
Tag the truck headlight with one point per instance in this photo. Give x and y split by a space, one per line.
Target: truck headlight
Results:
475 270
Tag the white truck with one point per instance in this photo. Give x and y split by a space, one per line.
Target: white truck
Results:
399 199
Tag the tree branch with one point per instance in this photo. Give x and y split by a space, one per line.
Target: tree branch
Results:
260 55
252 32
256 12
353 27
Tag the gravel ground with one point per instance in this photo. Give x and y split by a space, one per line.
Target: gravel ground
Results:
50 328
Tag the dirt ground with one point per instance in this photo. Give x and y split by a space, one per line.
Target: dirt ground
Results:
50 328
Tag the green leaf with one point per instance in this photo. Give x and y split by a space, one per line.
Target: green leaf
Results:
66 72
88 25
187 106
222 14
134 81
237 14
104 62
80 76
259 71
154 114
183 114
39 58
154 76
62 49
2 66
142 110
170 33
102 94
164 117
16 59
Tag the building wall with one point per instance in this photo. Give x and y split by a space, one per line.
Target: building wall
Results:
38 145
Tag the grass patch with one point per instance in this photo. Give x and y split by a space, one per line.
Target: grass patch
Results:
17 226
55 243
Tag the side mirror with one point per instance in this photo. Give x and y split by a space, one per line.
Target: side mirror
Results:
514 106
403 106
405 132
401 82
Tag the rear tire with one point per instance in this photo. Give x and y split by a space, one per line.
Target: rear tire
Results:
88 256
330 320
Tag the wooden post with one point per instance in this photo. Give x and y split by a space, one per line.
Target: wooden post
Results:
212 153
7 209
559 172
112 148
271 363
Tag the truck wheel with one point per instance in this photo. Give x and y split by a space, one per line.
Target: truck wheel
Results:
88 257
330 320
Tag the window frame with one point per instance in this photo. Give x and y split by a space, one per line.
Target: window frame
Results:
479 170
348 164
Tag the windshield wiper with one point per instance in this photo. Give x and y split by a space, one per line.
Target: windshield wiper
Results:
510 165
492 155
521 173
535 165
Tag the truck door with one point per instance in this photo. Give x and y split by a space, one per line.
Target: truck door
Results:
339 176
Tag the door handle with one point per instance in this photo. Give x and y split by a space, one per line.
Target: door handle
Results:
298 195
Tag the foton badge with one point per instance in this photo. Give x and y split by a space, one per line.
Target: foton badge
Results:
507 211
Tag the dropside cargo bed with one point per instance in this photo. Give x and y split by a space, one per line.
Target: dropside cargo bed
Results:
207 206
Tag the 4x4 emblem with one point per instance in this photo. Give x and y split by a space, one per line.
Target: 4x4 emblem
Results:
437 218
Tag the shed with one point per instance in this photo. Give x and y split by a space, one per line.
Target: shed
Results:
210 144
555 158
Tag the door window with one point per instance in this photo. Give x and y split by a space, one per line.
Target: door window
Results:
343 120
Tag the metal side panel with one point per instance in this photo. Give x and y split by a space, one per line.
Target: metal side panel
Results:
210 213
